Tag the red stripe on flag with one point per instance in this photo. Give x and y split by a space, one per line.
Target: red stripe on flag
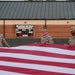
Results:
29 71
40 53
61 46
9 59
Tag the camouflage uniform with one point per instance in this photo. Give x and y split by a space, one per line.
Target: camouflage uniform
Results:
72 38
2 40
46 38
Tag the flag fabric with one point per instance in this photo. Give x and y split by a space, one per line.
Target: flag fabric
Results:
38 59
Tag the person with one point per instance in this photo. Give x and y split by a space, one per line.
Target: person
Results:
71 40
3 41
46 38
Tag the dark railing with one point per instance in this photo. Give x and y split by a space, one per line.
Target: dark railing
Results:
22 41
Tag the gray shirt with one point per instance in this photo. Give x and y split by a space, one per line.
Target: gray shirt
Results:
47 39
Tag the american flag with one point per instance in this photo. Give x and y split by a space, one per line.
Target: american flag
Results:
38 59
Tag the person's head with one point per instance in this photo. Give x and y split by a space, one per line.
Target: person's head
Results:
72 30
45 31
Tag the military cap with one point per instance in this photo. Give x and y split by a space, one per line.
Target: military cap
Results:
45 30
72 28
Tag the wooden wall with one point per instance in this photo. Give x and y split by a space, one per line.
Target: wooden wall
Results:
10 31
1 29
38 30
57 29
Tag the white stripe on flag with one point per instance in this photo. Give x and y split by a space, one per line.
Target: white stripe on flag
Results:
46 49
36 57
39 67
10 73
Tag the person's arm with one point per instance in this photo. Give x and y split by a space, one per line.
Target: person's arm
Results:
71 41
42 40
4 41
51 40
